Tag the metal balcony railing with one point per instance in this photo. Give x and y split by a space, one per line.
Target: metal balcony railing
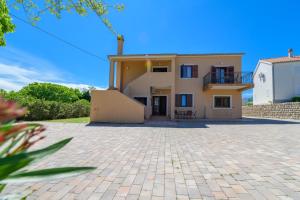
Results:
229 78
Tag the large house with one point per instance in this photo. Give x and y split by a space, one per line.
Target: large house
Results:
172 86
277 79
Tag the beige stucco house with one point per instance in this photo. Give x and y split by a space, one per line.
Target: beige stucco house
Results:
175 86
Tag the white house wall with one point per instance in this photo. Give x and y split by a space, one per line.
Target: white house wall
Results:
286 81
263 84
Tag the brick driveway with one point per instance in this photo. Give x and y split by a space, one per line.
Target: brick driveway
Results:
252 159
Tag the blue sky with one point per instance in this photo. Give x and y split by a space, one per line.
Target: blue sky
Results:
261 29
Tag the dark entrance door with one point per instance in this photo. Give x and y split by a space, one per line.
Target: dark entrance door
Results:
159 105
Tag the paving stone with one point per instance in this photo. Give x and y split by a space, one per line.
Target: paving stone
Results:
248 159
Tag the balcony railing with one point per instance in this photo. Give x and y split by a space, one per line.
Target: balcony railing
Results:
229 78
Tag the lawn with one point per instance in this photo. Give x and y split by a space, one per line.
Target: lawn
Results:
72 120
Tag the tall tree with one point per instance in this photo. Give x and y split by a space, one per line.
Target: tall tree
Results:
36 8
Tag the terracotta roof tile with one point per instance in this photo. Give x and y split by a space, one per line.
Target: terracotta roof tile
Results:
282 59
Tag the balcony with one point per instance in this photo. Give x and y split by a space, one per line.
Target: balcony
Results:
230 81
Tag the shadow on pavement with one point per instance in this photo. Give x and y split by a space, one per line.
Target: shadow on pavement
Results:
202 123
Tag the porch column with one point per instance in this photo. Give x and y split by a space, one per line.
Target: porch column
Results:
148 65
173 68
111 75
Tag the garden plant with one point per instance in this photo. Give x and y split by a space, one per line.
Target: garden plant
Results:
15 157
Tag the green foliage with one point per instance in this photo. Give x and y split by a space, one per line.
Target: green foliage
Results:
47 101
45 110
3 93
36 8
51 92
249 103
85 95
6 25
15 141
296 99
72 120
45 174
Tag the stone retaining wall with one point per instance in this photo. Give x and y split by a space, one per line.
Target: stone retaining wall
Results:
289 110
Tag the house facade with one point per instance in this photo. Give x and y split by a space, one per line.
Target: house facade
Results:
175 86
276 80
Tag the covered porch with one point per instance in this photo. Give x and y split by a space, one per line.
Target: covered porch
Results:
150 79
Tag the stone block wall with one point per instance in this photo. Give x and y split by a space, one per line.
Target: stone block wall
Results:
289 110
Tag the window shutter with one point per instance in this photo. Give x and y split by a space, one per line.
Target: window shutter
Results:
189 100
177 100
213 70
230 70
213 74
181 71
195 71
230 75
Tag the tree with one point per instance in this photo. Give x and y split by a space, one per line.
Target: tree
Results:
6 25
86 95
35 10
50 92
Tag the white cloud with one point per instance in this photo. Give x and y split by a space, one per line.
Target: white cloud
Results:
8 85
80 86
18 68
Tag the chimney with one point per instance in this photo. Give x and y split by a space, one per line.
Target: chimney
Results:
120 39
290 53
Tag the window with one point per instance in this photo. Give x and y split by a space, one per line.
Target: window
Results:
142 100
189 71
184 100
222 101
160 69
222 74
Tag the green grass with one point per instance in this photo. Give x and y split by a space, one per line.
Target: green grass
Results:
72 120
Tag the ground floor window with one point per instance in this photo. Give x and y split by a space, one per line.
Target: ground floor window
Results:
142 100
184 100
222 101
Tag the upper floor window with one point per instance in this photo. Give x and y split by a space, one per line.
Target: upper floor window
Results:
160 69
222 74
184 100
189 71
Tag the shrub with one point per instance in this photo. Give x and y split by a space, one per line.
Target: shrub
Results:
37 110
296 99
45 110
46 101
81 108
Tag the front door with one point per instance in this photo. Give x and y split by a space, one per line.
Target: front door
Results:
159 105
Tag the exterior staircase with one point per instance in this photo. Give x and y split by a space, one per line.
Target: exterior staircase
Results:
114 106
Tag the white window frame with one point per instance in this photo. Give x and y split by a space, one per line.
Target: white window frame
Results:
216 108
189 64
193 103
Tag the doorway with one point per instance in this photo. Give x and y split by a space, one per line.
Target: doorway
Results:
159 105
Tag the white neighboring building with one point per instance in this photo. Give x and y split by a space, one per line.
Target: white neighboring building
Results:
276 79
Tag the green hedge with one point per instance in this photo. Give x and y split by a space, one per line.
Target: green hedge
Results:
296 99
46 110
46 101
